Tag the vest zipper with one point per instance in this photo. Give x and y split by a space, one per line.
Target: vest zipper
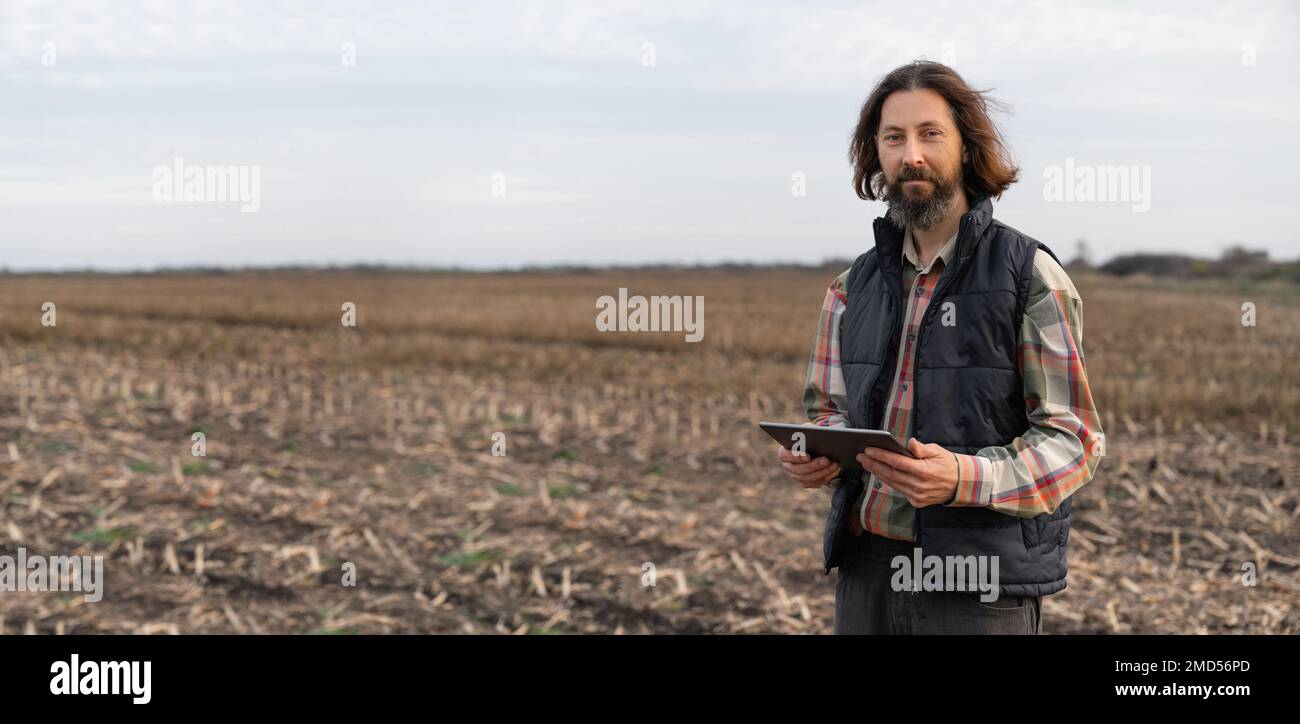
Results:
945 281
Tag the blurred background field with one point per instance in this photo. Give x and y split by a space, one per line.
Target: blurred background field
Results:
372 445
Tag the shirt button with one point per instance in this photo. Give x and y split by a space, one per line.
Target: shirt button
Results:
920 290
903 387
877 485
911 336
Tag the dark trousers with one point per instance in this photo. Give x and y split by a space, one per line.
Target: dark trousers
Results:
865 603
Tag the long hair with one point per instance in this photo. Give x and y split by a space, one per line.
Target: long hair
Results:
988 171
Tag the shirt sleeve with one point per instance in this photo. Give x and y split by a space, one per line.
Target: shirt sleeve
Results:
824 397
1060 451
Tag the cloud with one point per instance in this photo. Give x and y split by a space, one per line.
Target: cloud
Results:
602 152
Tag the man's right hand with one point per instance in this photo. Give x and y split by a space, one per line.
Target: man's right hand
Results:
809 473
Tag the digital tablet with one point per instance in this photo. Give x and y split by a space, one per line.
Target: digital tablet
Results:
841 444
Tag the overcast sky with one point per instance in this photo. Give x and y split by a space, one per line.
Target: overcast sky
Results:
621 132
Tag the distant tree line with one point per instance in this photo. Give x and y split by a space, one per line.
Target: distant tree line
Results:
1236 262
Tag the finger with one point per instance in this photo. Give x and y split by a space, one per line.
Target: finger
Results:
915 492
918 448
894 460
806 468
819 479
786 455
816 478
895 477
831 469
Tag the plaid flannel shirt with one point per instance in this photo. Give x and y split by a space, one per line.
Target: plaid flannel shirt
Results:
1035 472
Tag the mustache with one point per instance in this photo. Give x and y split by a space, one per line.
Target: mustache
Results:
910 173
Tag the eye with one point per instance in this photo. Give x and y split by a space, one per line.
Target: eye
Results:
891 137
934 131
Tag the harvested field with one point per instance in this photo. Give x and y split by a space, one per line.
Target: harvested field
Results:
372 445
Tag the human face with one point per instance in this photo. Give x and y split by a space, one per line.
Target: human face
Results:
921 156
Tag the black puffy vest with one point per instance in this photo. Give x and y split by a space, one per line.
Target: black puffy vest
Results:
967 391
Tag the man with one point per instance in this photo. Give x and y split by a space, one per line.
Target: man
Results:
960 335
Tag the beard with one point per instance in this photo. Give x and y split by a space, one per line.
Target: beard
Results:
919 207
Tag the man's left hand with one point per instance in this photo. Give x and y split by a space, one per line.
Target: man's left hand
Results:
927 479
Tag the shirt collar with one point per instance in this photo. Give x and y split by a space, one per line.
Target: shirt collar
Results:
912 257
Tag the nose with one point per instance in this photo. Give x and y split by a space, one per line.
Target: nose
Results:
912 154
